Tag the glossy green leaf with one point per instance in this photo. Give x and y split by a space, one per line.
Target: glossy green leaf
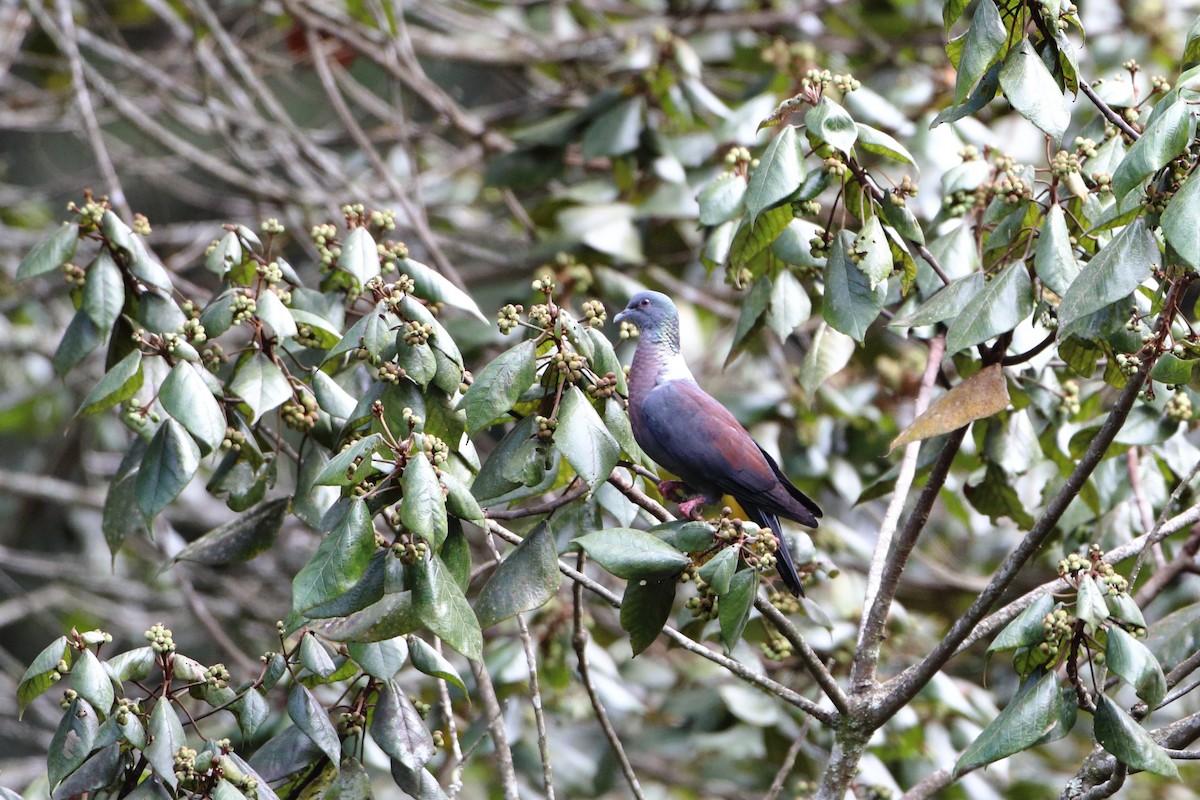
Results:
718 570
753 307
380 660
104 293
616 131
187 398
241 539
1033 92
983 46
271 310
1054 261
118 385
1113 274
1172 370
1165 137
948 302
645 608
418 784
526 579
51 253
1132 662
778 174
359 257
340 560
321 332
789 307
73 740
877 142
583 440
498 385
445 611
172 458
423 509
331 397
91 681
98 772
723 199
1090 606
431 285
1121 735
1035 712
851 305
335 472
1181 221
999 307
42 673
311 718
829 354
261 385
225 255
166 737
828 122
633 554
733 607
399 730
428 660
315 658
1026 629
874 255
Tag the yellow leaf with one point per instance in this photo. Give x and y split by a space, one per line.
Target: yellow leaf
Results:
983 394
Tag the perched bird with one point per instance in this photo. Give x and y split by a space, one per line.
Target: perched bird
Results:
687 432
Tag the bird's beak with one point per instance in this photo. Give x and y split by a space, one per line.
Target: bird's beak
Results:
622 314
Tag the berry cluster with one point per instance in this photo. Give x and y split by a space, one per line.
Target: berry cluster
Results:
594 313
509 317
160 638
300 413
1068 404
416 333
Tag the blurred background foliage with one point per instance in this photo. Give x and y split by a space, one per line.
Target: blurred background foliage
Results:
502 134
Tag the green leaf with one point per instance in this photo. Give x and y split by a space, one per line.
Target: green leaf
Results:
983 46
946 303
983 94
583 440
340 560
91 681
778 174
428 660
851 305
733 607
1171 370
996 497
51 253
73 740
445 611
753 307
951 11
1121 735
118 384
999 307
315 658
616 131
81 338
526 579
498 385
434 287
1055 261
418 784
1090 606
104 293
399 730
1179 221
1168 133
172 458
380 660
359 258
1035 712
241 539
226 255
645 609
875 141
261 385
1033 92
752 239
394 614
1133 663
828 122
718 570
685 535
310 717
633 554
166 737
99 771
323 332
423 509
187 398
790 306
271 310
334 473
874 253
1125 608
1026 629
42 673
722 199
1113 274
331 397
829 354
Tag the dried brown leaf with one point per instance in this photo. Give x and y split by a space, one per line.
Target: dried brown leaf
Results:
983 394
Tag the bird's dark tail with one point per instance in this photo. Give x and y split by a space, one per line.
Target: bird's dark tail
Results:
783 563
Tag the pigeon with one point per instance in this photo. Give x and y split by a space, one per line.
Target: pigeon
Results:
688 433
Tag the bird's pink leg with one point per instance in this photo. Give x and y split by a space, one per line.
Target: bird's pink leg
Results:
691 508
671 489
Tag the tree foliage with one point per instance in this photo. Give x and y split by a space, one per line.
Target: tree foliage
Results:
308 438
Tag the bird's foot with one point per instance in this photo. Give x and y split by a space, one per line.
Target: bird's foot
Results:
691 508
671 490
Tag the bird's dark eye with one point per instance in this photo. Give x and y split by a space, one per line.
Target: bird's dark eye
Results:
645 303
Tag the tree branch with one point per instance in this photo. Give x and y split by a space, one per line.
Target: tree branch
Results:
810 660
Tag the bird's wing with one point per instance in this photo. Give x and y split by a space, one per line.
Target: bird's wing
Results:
698 439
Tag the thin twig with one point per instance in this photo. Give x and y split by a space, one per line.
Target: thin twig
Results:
1108 112
810 660
1157 533
495 725
580 642
573 493
788 763
457 761
875 603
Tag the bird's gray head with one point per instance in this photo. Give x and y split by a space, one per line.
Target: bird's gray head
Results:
654 315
